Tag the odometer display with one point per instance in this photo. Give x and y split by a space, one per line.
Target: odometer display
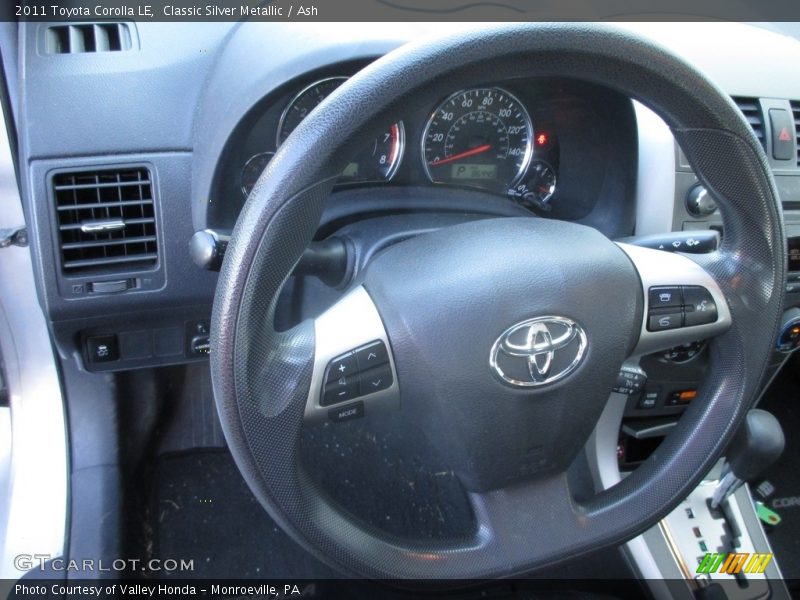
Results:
473 172
479 137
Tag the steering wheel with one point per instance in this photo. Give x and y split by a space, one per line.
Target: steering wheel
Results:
501 338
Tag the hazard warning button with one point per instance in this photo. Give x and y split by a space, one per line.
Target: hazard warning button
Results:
783 134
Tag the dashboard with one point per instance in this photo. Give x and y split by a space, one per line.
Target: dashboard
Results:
199 108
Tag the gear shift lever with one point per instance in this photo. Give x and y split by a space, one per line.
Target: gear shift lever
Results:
757 444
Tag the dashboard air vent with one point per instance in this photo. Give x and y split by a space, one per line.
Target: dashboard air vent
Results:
106 219
796 113
751 109
88 37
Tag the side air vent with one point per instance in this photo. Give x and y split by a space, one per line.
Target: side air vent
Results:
796 111
88 37
751 109
106 220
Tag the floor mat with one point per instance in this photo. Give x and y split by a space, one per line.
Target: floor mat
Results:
782 487
202 510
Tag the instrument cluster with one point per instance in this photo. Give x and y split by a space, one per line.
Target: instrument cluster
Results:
561 149
482 137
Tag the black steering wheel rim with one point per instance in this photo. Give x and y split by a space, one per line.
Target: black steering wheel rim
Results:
261 377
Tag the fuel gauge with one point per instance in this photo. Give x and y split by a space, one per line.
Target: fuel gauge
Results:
541 180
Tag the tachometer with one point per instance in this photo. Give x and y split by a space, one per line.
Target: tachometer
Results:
303 103
479 137
378 161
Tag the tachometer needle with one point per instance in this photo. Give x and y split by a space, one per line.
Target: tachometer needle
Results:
460 155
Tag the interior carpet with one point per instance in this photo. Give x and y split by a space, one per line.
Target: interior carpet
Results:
202 510
780 487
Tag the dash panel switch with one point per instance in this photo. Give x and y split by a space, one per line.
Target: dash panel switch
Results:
783 134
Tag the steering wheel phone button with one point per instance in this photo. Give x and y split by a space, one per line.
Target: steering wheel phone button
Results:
700 308
342 365
662 321
346 413
695 295
372 355
376 379
665 297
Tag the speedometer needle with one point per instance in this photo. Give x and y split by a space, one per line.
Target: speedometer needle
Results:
460 155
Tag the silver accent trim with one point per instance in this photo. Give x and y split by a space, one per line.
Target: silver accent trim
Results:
538 342
547 165
655 180
352 322
102 225
399 152
34 492
649 432
526 116
658 268
601 454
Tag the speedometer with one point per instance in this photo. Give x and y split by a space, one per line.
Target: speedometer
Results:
479 137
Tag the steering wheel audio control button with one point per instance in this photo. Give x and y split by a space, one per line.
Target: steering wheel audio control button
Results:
340 390
376 379
372 355
353 360
344 365
665 297
700 308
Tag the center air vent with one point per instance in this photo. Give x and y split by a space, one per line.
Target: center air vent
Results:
88 37
796 113
106 220
751 109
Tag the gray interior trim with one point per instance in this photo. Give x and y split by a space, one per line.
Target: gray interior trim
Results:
655 179
601 454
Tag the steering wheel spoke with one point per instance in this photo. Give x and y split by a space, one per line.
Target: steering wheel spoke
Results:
682 301
354 371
